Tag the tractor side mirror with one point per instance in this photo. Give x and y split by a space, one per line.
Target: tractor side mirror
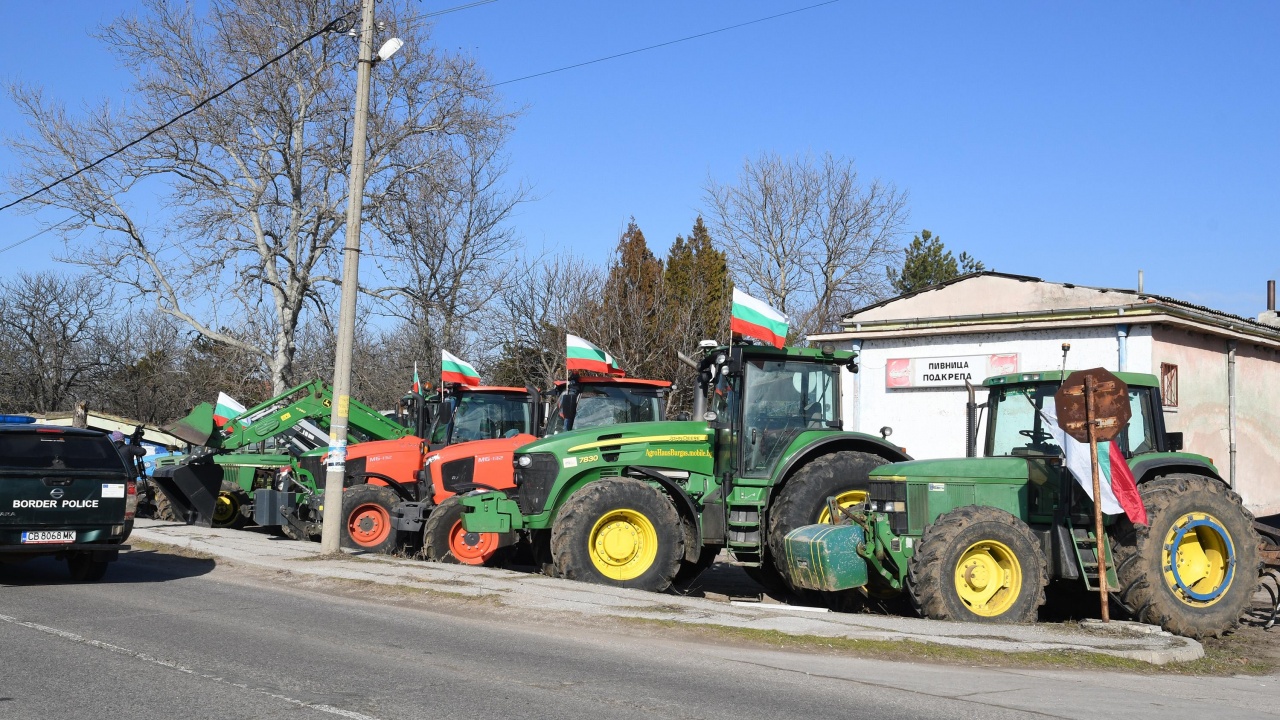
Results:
1173 441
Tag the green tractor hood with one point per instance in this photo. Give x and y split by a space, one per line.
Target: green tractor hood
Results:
997 468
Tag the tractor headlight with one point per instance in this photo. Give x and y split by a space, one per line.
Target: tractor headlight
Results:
524 461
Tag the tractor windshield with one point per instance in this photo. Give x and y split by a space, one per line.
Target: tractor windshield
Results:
781 399
1016 426
607 405
485 416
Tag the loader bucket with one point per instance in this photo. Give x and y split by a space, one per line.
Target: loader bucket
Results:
192 490
196 428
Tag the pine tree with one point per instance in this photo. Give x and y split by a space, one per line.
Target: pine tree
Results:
696 281
927 262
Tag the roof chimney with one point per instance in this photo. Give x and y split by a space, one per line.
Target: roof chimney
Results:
1270 317
1139 282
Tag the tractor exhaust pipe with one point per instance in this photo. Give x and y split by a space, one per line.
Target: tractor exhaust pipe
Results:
699 394
970 422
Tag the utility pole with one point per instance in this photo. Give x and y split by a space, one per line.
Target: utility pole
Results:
336 465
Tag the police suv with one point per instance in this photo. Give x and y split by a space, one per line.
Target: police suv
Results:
65 492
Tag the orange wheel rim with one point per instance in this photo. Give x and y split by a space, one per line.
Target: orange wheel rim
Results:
471 548
369 524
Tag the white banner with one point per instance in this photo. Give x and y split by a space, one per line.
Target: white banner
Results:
948 371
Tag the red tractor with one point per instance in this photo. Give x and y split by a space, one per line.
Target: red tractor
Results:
403 492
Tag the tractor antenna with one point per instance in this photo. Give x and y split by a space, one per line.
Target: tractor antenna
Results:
1066 348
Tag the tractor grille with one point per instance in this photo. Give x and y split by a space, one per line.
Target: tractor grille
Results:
457 476
879 493
534 482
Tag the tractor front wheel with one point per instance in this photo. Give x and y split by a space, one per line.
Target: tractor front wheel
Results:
1194 568
366 513
226 509
445 540
978 564
803 500
620 532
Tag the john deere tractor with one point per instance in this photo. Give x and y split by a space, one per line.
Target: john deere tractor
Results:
980 538
644 504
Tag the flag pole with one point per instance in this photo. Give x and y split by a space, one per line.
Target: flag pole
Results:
1099 543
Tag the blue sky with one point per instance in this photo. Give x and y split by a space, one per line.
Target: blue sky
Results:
1075 141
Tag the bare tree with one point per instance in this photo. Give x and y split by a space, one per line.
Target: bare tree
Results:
540 297
808 236
450 244
231 218
54 340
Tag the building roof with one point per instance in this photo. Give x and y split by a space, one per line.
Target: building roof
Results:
983 299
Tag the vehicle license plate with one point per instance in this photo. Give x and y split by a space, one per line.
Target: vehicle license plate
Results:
48 536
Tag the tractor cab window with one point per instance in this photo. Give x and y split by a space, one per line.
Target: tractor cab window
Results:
780 400
1140 434
1017 426
608 405
485 416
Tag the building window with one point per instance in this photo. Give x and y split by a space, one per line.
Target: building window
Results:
1169 384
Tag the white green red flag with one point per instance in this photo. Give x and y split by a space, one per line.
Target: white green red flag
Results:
752 318
226 408
581 355
1115 481
417 384
454 369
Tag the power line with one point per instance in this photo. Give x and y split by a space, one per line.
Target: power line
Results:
60 223
446 11
337 25
663 44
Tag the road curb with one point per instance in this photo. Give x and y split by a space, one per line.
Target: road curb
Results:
545 594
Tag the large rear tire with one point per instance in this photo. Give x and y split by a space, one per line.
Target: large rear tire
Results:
803 500
1194 569
226 509
619 532
366 519
978 564
445 540
164 508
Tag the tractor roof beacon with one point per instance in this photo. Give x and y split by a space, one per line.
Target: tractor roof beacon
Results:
646 504
979 538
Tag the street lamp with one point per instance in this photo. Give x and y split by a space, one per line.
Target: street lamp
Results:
336 463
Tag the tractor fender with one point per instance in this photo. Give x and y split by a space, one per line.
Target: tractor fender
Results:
1151 468
835 443
684 504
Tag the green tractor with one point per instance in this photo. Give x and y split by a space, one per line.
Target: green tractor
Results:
651 503
980 538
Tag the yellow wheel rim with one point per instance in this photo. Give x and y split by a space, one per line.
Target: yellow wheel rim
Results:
846 499
988 578
1198 559
623 544
225 509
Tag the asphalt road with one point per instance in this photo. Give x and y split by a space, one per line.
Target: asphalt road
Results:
166 637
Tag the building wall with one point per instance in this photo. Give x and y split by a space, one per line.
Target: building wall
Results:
1202 412
929 422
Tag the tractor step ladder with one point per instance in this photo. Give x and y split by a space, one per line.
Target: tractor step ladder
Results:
745 534
1086 546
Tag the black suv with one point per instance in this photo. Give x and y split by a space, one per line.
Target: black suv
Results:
65 492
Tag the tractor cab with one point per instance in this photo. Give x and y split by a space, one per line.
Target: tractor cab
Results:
469 413
1018 404
586 401
759 400
416 412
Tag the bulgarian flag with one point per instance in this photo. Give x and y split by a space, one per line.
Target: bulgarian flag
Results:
417 384
755 319
454 369
582 355
1115 481
225 409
